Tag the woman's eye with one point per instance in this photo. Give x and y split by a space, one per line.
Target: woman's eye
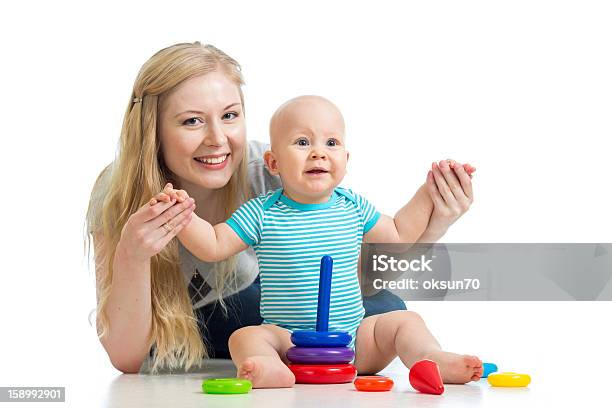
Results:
230 116
332 142
302 141
192 121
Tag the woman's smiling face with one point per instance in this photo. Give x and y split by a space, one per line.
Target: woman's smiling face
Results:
202 131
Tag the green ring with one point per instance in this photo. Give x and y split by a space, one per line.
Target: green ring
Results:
226 386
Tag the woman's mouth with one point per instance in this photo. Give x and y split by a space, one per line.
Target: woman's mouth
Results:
212 162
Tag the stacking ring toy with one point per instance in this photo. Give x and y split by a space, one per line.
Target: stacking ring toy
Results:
509 380
325 278
306 338
488 368
320 355
226 386
373 383
323 374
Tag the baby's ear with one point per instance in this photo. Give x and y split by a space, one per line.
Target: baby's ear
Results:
271 162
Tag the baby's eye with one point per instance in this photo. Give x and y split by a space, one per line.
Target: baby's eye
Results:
333 142
230 116
302 141
192 121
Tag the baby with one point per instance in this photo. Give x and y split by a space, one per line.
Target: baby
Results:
291 229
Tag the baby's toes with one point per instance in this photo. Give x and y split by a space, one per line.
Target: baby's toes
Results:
472 361
246 370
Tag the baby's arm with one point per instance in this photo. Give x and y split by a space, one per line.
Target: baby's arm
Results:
210 243
407 225
206 242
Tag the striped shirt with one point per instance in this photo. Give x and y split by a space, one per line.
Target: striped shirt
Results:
289 239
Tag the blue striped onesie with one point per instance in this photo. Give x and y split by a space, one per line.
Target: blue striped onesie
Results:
289 239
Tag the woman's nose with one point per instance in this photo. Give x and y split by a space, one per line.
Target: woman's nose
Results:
214 135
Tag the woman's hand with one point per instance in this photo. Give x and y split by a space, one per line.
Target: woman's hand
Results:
149 229
450 187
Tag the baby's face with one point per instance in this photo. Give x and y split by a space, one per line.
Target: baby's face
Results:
308 151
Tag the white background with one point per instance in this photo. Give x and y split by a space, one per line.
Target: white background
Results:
522 90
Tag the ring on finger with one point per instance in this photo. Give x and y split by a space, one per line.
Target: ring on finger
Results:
167 227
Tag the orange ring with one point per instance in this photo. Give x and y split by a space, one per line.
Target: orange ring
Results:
373 383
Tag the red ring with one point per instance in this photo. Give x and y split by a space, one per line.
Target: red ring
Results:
373 383
323 373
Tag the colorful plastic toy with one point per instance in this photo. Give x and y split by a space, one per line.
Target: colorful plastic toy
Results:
509 379
323 373
373 383
425 377
488 368
324 294
320 355
305 338
226 386
322 337
317 347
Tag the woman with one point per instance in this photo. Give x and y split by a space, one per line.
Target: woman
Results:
184 124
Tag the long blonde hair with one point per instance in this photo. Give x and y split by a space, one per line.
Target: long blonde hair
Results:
137 175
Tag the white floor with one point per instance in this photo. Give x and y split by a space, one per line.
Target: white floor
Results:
184 391
564 346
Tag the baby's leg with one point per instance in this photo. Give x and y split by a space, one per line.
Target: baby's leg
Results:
256 352
381 338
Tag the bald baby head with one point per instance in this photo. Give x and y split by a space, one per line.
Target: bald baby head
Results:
308 113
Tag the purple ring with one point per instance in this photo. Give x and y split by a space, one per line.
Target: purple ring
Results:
320 355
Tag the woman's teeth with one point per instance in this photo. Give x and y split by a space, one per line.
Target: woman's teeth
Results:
211 160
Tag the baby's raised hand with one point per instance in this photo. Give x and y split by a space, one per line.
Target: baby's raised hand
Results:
469 169
450 187
168 194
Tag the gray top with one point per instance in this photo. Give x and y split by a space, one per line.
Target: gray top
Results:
198 275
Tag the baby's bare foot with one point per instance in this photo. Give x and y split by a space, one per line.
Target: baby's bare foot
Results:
457 368
266 372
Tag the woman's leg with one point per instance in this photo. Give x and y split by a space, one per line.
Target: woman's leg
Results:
382 337
259 355
382 302
217 325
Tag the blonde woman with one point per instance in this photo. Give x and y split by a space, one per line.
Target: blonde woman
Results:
184 124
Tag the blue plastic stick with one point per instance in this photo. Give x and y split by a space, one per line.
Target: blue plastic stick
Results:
324 293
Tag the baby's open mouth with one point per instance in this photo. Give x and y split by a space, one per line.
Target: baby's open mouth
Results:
316 170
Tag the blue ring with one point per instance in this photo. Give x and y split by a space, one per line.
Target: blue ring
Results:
307 338
488 368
